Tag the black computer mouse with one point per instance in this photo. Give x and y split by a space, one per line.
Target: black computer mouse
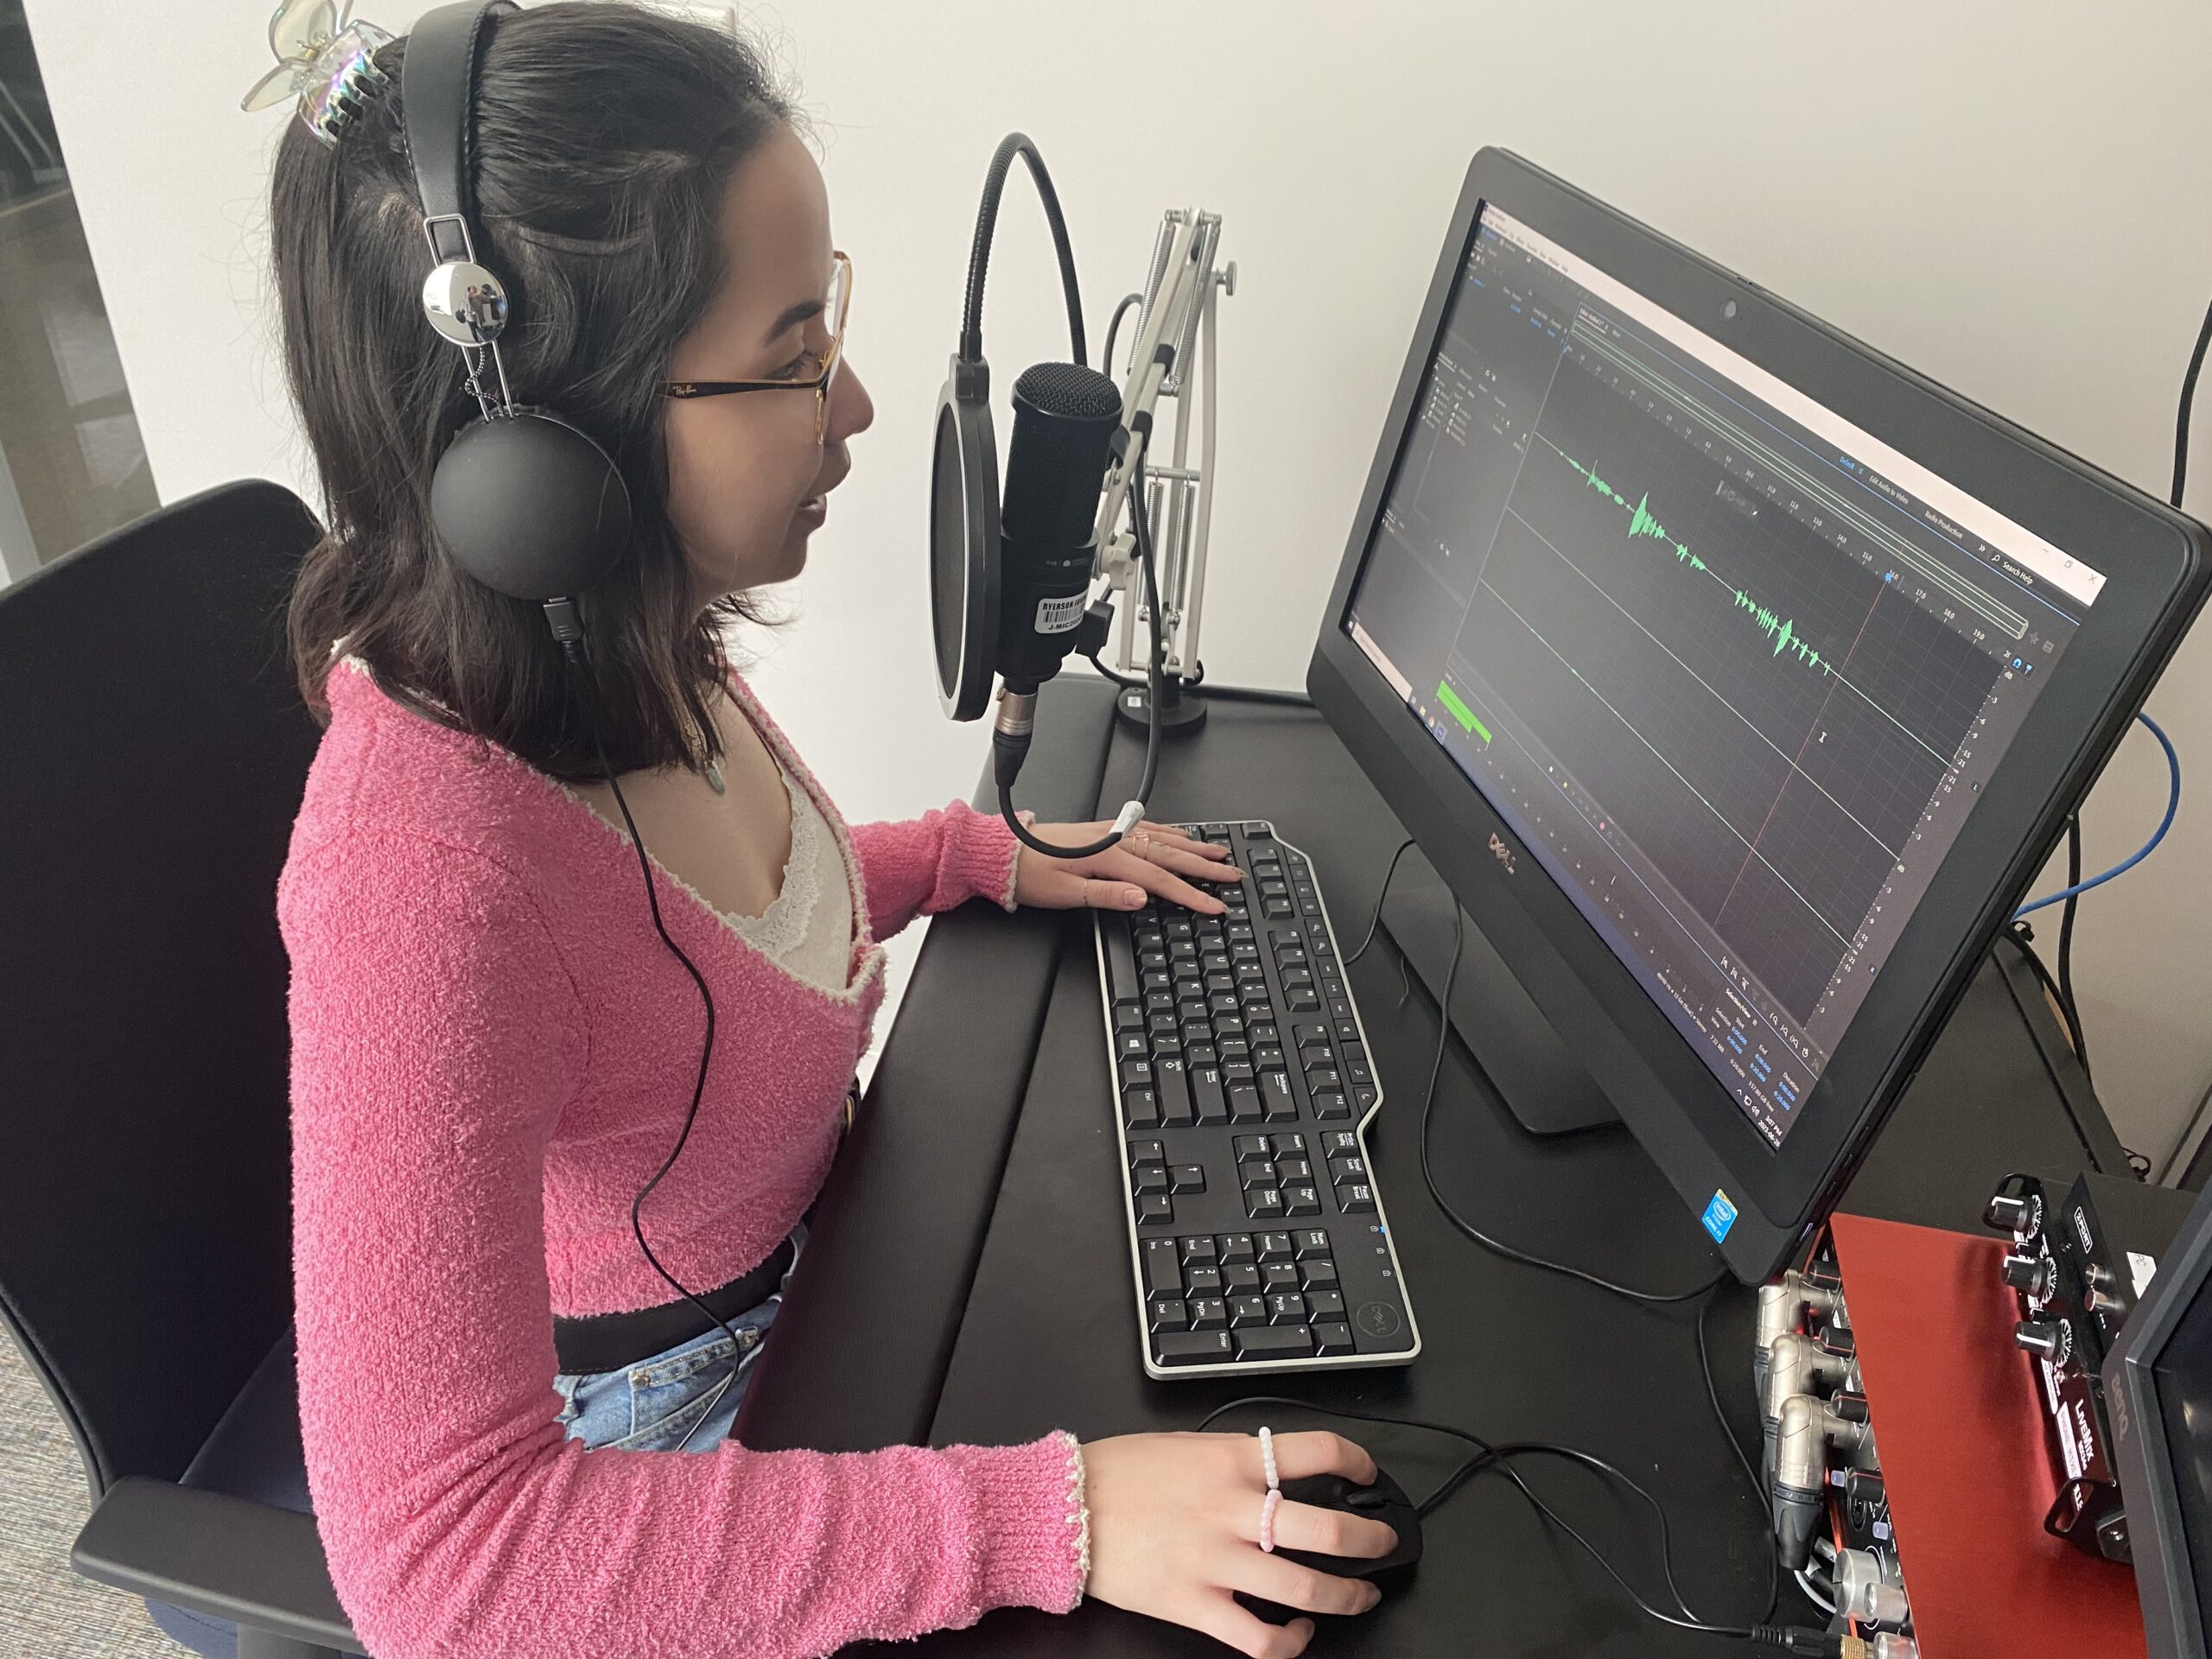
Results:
1384 1501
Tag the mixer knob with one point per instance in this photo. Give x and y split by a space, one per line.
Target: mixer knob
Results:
2029 1274
2049 1339
2010 1215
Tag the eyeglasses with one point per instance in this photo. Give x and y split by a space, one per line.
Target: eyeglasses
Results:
817 372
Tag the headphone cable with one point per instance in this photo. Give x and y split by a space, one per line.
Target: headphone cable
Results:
573 648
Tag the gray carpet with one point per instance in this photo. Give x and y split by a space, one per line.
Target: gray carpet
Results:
45 1611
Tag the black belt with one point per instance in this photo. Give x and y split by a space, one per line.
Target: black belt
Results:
611 1342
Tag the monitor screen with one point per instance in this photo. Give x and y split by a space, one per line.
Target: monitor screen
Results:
1733 669
2182 1376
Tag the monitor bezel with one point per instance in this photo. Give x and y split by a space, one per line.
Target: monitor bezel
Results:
2156 565
2166 1579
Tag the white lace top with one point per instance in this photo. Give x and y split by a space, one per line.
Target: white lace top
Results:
809 928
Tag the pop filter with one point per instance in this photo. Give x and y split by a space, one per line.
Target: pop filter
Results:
1067 421
964 466
964 541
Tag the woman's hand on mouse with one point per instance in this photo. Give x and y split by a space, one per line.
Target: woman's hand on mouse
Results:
1175 1529
1151 858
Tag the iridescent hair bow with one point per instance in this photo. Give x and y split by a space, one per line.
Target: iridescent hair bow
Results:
324 60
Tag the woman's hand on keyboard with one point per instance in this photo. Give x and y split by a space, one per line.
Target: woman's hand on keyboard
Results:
1175 1529
1151 858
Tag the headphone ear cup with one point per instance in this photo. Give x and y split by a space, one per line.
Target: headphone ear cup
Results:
530 506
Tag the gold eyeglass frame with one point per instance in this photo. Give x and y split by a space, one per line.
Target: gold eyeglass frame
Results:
819 385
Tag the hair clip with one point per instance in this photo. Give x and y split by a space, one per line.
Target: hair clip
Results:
325 60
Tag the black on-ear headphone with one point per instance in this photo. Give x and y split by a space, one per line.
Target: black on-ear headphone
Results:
525 502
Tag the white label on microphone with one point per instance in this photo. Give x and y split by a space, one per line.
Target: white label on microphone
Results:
1059 615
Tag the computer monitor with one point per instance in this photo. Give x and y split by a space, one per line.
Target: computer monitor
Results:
1736 678
2158 1397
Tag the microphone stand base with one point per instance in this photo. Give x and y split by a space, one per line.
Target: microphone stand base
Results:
1181 712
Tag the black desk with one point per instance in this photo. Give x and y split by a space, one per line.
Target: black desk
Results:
968 1279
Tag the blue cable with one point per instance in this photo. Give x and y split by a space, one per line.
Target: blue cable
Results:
2173 805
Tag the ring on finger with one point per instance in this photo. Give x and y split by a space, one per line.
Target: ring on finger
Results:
1274 1490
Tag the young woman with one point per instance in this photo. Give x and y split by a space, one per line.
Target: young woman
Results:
492 1052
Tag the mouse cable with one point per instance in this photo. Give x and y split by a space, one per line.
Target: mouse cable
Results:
1654 1297
1710 1291
1374 923
1489 1456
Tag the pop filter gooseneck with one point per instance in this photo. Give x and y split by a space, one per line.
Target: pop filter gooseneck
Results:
1009 585
979 253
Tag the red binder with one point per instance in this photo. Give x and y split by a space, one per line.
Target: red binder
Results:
1965 1455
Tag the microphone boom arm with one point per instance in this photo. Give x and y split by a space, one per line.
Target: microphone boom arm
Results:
1178 316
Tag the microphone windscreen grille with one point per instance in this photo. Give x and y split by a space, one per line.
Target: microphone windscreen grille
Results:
1070 389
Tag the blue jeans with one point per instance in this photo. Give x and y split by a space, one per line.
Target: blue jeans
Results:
684 1399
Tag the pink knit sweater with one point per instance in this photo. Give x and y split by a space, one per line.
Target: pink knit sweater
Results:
491 1053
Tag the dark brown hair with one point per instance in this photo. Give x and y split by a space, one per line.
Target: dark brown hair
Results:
606 135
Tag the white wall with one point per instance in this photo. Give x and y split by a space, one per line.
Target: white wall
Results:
2006 193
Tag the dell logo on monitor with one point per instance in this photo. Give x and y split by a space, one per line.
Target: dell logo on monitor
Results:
1503 852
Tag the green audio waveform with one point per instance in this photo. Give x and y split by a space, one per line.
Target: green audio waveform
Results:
1779 629
1641 522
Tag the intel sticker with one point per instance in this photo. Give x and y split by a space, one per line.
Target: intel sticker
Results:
1719 1216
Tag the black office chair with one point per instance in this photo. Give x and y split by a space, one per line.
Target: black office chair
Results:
152 751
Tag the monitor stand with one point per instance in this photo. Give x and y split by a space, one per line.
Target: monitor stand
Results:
1543 1084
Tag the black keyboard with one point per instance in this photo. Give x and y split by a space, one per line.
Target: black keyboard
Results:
1243 1086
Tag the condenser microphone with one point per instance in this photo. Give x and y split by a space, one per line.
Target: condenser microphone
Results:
1065 418
1010 576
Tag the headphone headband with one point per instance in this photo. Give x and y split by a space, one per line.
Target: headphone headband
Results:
525 502
437 89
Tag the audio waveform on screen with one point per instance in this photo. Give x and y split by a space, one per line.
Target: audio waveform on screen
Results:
1781 629
1641 522
1842 508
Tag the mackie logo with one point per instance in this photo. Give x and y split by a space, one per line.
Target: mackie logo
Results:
1503 852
